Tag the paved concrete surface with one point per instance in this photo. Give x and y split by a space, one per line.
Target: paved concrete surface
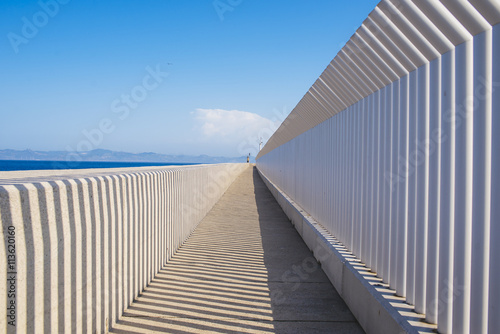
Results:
244 270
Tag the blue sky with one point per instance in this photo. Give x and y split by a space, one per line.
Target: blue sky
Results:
166 76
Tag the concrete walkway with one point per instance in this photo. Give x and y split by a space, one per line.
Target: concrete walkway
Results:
244 270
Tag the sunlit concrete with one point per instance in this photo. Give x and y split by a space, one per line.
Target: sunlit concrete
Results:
245 269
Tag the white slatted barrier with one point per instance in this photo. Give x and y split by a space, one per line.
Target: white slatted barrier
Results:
396 151
79 246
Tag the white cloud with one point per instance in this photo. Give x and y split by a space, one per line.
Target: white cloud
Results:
229 123
236 130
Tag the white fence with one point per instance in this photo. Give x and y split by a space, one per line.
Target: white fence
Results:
396 151
76 250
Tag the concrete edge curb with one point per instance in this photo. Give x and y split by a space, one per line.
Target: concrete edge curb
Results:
373 311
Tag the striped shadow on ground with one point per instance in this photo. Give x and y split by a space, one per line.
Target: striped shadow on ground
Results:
245 269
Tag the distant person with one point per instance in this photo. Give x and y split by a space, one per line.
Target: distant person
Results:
248 158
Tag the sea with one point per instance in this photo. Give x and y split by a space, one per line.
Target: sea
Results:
11 165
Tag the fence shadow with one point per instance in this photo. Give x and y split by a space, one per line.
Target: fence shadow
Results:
244 270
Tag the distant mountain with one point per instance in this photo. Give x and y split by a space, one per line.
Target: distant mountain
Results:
107 155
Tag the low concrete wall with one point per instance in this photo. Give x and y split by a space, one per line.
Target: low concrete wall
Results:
78 246
361 291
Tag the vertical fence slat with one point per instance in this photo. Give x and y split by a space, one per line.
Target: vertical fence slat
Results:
393 183
435 137
482 122
463 187
402 246
422 170
447 203
494 286
412 186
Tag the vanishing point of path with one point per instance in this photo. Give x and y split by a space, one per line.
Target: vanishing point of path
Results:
244 270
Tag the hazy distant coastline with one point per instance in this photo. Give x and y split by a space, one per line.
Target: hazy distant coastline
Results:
107 155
